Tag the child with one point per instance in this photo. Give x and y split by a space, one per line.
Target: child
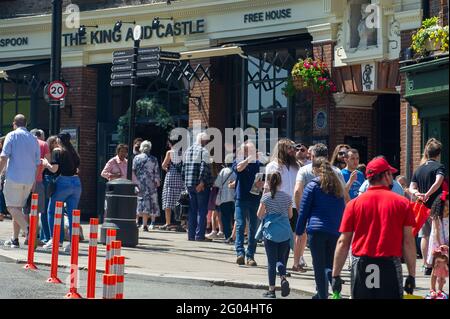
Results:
275 210
438 246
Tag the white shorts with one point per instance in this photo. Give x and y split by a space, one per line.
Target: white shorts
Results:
16 194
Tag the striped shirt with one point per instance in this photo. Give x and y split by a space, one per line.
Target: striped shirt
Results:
279 204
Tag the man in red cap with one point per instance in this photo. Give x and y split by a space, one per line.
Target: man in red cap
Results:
380 223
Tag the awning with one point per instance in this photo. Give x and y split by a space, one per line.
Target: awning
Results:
212 52
11 66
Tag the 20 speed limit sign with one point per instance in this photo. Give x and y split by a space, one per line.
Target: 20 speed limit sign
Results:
57 90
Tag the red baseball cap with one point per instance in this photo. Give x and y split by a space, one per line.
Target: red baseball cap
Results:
378 166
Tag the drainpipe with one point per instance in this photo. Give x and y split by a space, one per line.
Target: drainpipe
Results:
408 143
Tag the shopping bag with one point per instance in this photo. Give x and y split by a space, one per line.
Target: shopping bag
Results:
421 214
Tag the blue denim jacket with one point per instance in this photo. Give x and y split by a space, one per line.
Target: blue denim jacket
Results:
275 227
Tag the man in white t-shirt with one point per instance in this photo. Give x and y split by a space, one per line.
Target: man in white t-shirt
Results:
304 176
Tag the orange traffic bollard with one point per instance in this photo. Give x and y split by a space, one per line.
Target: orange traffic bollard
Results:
119 271
92 259
109 286
73 293
110 237
32 232
55 247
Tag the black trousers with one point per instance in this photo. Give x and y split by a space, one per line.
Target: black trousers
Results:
377 278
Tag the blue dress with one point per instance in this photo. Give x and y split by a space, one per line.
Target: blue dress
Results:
147 172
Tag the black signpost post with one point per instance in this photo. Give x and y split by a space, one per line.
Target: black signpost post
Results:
128 65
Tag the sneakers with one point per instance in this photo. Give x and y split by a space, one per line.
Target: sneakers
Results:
285 290
152 226
49 244
251 262
220 235
145 228
211 235
240 260
13 243
269 294
68 248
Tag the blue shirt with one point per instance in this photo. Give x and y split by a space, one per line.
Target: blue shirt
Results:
354 189
397 188
322 212
23 153
244 181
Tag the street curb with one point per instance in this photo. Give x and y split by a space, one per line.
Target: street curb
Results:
222 283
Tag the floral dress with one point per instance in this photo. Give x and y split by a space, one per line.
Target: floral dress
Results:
147 172
173 183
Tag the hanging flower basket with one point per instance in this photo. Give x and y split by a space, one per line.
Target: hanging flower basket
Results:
298 83
431 38
310 74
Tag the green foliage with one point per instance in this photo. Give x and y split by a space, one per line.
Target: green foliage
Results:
289 90
429 35
145 108
314 74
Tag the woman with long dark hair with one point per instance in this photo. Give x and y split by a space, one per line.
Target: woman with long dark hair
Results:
65 163
321 208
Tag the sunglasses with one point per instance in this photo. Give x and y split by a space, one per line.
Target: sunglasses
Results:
342 153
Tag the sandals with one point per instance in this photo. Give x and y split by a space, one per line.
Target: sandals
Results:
298 268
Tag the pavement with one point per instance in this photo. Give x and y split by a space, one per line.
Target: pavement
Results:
169 254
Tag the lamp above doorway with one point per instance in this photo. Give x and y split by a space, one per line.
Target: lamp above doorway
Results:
156 22
82 29
119 23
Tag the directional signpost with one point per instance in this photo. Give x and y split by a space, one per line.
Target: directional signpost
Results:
129 65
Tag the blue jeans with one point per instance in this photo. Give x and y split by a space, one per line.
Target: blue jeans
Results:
198 209
226 215
322 246
276 253
44 233
246 210
68 190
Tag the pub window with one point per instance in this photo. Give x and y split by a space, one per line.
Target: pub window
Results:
267 71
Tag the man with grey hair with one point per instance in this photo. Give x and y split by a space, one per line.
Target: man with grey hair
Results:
304 176
196 174
21 156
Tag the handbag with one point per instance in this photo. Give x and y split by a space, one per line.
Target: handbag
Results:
421 214
182 206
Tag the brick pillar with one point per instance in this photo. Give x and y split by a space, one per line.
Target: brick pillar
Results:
82 98
199 109
325 52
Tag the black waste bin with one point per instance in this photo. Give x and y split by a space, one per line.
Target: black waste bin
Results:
120 212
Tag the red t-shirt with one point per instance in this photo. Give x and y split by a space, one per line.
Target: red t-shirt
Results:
43 146
377 218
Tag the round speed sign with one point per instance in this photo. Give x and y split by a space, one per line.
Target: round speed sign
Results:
57 90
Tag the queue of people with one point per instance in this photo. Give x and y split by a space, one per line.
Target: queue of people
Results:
337 208
29 164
